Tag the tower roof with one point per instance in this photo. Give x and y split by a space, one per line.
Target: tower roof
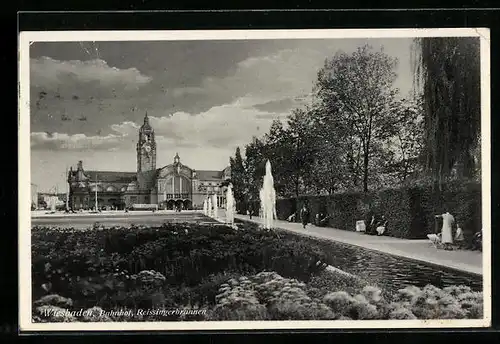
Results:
146 124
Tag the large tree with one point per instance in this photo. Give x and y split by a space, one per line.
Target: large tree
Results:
254 167
238 178
402 152
359 90
448 72
299 150
329 172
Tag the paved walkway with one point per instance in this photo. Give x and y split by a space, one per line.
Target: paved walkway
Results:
421 250
107 213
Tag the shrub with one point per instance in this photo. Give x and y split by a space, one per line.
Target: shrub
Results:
159 266
169 268
268 295
238 301
457 302
320 283
409 209
279 298
54 300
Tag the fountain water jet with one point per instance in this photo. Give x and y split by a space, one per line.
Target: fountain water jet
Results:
205 207
214 205
268 198
230 206
209 207
53 200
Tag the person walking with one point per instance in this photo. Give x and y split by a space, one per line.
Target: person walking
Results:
304 215
250 210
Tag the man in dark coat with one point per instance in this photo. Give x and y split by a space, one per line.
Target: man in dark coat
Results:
304 215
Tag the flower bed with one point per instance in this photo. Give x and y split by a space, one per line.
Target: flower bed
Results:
111 274
268 296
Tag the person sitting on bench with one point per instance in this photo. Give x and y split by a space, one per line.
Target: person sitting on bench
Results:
382 226
372 226
321 219
477 241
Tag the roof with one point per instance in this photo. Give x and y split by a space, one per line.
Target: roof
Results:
111 176
209 175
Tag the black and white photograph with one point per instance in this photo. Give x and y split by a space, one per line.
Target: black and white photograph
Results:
280 179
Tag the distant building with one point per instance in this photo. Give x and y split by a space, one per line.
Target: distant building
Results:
44 199
170 186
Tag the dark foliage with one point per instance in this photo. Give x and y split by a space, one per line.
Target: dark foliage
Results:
78 264
409 210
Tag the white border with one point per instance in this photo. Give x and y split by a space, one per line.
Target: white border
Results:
24 232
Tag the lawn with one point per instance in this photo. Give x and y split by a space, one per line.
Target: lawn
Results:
114 274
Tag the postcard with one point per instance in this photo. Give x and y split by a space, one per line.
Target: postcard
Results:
254 179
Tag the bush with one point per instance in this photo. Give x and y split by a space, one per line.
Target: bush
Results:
205 266
164 266
320 283
268 295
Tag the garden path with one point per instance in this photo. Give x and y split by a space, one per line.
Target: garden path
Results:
420 250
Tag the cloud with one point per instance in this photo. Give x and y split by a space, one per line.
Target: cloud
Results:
61 141
227 125
80 142
46 72
284 104
222 126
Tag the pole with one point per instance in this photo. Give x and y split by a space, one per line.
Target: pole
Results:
96 208
67 190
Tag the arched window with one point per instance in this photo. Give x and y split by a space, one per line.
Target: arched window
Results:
111 188
99 188
177 185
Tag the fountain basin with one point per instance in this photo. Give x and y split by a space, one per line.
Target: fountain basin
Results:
389 271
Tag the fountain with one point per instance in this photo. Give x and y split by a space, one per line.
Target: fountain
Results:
205 207
209 207
214 205
52 203
230 206
268 198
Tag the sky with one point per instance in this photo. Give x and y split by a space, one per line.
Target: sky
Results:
203 98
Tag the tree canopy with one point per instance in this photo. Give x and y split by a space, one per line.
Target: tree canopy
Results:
359 133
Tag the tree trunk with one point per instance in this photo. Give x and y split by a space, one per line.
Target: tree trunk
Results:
297 184
365 173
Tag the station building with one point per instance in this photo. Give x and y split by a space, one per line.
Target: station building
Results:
168 187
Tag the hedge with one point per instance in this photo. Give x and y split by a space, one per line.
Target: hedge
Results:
409 210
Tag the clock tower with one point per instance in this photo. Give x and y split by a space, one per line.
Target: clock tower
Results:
146 147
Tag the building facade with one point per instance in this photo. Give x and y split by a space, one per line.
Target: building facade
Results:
168 187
